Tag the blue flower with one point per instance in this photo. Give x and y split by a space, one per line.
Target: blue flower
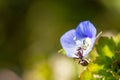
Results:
83 36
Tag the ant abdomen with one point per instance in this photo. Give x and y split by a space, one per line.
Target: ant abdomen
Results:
83 62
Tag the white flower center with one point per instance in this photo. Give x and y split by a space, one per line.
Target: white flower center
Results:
83 45
86 43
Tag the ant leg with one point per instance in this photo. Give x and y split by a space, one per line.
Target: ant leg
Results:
75 59
76 54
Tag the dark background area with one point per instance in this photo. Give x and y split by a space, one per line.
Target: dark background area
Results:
30 31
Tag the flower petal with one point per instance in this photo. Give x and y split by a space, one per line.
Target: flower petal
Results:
67 39
70 52
68 43
85 29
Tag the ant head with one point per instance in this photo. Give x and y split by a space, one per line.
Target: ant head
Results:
83 62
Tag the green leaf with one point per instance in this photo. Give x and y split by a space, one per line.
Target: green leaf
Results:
106 75
86 75
107 51
117 39
95 67
105 64
93 54
105 47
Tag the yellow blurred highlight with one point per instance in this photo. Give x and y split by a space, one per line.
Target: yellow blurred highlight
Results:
86 75
117 39
107 51
39 71
95 67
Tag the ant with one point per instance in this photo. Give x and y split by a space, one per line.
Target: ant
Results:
82 61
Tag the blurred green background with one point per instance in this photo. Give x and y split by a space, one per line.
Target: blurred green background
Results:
30 31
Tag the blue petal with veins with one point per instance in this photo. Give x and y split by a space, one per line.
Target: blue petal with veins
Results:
85 29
